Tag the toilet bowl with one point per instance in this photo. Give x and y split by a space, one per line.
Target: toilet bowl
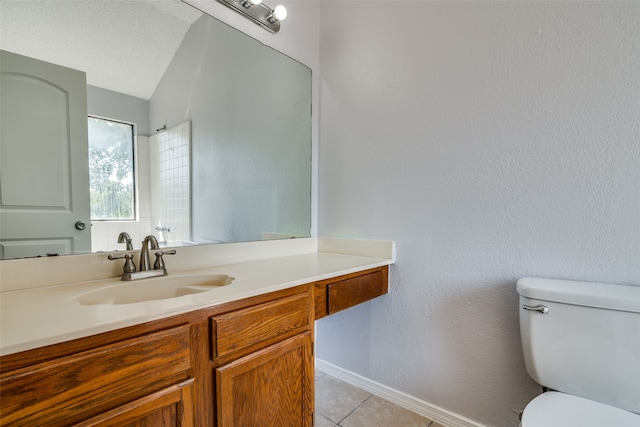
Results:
582 340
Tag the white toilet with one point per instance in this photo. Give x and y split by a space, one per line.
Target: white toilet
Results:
581 340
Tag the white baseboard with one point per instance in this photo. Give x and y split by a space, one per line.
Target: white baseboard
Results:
442 416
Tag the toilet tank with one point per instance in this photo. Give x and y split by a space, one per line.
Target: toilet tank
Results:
587 343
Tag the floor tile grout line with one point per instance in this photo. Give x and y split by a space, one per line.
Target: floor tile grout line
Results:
431 422
355 409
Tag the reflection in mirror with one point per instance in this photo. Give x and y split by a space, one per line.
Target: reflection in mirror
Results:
234 114
111 169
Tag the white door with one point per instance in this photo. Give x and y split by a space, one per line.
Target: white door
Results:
44 170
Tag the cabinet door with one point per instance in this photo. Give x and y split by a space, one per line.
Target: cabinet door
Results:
272 387
171 407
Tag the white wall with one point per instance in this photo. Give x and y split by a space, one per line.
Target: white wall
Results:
491 140
115 105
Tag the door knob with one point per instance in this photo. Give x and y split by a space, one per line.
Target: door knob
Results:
80 225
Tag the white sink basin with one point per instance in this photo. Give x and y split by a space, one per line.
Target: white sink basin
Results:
158 288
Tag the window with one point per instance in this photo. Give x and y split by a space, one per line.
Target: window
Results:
111 171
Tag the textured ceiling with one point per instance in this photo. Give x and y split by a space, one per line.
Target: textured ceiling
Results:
122 45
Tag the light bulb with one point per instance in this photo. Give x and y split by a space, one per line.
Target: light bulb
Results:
280 12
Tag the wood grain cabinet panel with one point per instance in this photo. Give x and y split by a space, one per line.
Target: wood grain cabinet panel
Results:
242 331
272 387
170 407
334 295
73 388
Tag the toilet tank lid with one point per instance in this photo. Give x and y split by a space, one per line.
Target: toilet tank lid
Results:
602 295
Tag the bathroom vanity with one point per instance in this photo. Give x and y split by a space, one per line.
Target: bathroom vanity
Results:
242 359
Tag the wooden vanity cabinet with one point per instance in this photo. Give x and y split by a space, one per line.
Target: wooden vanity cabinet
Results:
263 361
243 363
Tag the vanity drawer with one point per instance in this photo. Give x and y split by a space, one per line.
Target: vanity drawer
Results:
242 331
67 390
334 295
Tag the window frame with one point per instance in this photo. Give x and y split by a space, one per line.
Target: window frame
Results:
134 165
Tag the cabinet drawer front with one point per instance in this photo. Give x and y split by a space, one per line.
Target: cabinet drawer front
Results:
70 389
264 323
347 293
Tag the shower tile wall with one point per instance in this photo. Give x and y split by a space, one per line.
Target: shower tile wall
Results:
170 163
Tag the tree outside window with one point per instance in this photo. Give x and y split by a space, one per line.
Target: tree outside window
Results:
111 170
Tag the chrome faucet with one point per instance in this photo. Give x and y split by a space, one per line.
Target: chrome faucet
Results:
125 238
144 253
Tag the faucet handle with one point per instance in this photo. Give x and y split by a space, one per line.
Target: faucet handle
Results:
159 264
129 266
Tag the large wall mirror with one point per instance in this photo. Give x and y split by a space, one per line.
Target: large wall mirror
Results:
220 125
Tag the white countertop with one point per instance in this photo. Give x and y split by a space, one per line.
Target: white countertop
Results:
32 318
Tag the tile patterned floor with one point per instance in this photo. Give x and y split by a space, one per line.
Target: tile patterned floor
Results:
339 404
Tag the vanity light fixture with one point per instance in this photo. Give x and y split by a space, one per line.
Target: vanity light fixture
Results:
259 13
248 3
